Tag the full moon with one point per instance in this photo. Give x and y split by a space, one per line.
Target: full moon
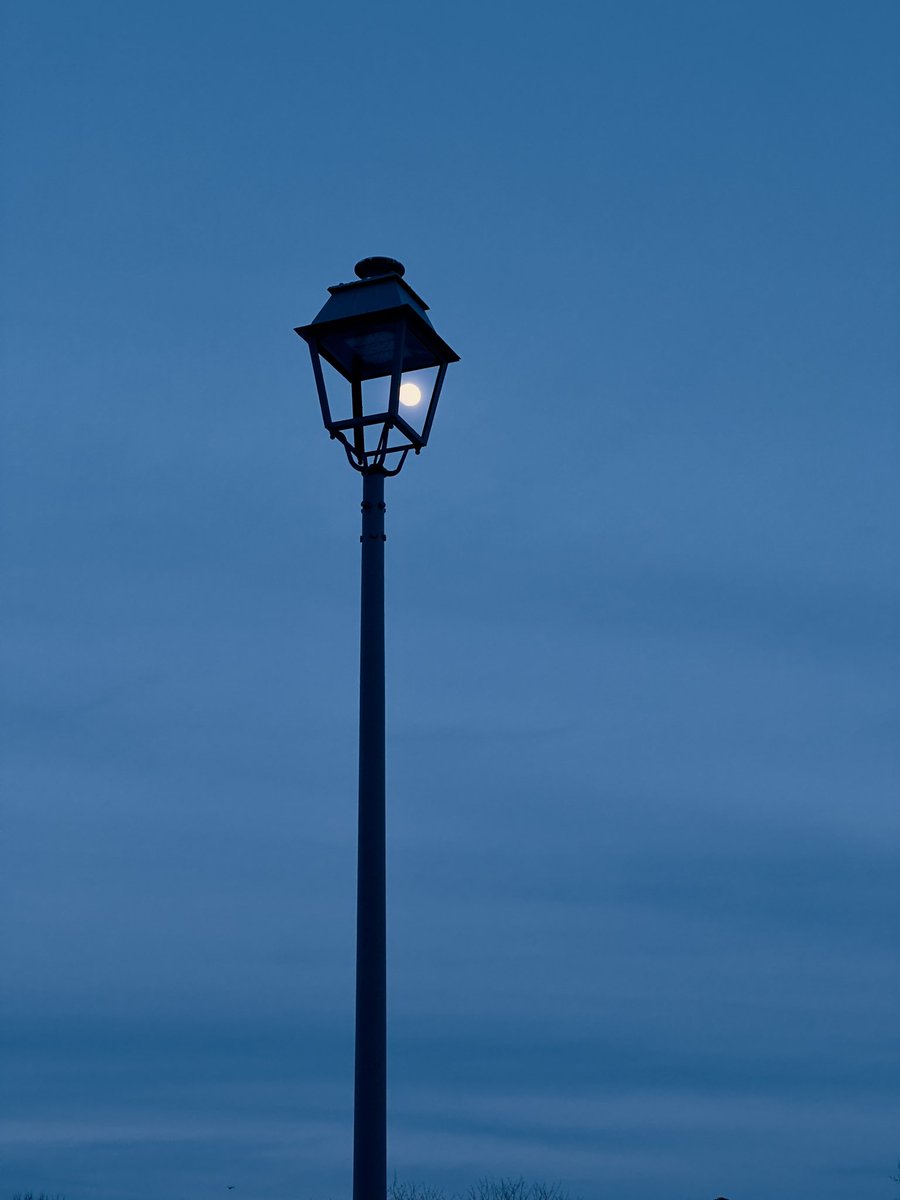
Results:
410 395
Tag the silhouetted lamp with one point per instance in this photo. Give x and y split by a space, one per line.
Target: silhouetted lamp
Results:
379 366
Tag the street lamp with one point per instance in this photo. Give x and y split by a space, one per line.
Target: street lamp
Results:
379 367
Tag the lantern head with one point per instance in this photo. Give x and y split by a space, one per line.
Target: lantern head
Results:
379 366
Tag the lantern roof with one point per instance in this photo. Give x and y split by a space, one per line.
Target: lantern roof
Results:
380 294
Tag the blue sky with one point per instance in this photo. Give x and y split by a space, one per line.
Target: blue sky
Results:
642 593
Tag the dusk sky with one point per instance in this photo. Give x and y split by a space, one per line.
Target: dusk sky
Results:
642 587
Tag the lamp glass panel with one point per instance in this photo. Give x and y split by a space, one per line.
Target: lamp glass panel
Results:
416 389
337 388
376 394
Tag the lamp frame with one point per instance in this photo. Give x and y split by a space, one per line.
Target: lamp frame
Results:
398 435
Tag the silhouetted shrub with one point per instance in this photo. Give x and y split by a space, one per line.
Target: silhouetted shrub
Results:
515 1189
413 1191
484 1189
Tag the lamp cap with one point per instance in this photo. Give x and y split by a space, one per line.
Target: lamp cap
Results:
370 268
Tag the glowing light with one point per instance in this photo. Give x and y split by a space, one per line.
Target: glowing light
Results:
410 395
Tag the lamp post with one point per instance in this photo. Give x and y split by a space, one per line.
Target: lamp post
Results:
379 367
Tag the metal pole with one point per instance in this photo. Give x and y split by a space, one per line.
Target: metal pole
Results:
370 1094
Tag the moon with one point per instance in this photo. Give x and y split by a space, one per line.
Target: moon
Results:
410 395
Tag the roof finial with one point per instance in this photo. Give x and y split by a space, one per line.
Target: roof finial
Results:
369 268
